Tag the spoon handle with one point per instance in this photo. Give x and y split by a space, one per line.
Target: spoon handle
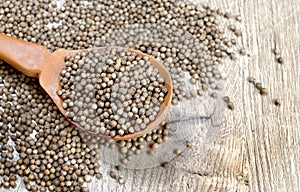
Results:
24 56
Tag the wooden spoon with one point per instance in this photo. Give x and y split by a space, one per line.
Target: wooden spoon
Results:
36 61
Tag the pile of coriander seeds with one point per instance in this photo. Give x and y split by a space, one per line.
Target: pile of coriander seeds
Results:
136 153
111 91
38 144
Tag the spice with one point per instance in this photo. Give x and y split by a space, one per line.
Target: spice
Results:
113 174
187 47
230 105
188 144
276 52
251 80
263 91
258 86
277 102
177 151
38 158
110 98
226 99
120 180
165 165
280 60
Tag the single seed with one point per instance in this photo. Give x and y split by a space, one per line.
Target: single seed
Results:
6 185
165 165
277 102
120 180
12 184
263 91
258 86
188 144
238 18
226 99
280 60
227 15
251 80
230 105
177 151
98 176
113 175
242 51
276 51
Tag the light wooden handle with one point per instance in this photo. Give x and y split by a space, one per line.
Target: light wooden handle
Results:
24 56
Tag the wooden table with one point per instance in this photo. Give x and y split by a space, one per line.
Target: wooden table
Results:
259 146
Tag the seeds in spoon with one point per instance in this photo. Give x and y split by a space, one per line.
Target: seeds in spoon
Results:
112 91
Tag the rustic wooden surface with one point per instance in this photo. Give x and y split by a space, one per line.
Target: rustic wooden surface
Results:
259 147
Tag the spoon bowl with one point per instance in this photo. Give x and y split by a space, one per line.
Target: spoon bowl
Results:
35 60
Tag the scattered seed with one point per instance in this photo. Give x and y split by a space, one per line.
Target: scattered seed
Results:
251 80
214 95
230 105
177 151
277 102
238 18
121 180
98 175
276 52
280 60
188 144
165 165
226 99
113 174
258 86
227 15
263 91
243 51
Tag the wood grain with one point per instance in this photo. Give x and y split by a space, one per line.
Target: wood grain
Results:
259 147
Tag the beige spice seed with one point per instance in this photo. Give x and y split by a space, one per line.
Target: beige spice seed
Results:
277 102
112 174
276 51
121 180
251 79
177 151
258 86
188 144
6 185
230 105
165 165
280 60
263 91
